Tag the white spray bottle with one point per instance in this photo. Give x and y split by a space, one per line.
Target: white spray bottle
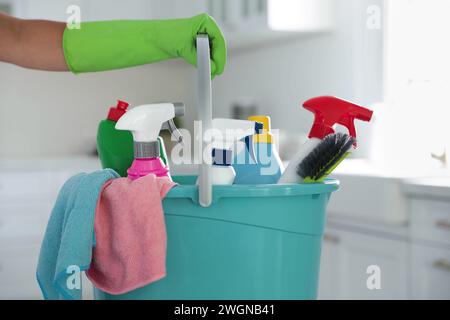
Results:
145 122
224 135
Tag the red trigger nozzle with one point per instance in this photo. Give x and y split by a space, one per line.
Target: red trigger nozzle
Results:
329 111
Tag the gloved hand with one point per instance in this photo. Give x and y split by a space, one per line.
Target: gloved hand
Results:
107 45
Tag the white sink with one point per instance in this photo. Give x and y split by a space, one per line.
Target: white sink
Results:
371 193
368 193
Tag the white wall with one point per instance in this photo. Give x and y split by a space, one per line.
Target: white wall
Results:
346 63
43 113
57 114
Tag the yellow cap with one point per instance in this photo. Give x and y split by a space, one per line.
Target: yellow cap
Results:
266 136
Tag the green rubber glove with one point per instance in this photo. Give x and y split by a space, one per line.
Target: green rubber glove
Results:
107 45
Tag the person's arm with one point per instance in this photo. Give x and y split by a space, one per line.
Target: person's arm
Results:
35 44
107 45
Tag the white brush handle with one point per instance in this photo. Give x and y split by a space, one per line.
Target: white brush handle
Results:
205 116
290 174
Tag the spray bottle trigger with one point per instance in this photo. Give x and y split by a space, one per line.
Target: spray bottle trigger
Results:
349 122
170 125
179 109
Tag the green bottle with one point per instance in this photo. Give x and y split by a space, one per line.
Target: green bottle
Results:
162 151
115 147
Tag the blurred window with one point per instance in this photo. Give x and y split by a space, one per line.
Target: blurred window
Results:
418 67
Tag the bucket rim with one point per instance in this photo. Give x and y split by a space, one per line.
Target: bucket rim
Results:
262 190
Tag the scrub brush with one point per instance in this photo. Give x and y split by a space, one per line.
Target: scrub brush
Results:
328 112
325 157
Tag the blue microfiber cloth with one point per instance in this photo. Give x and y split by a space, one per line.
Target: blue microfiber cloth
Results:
66 250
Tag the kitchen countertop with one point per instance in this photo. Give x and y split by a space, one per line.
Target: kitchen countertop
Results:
438 179
383 194
439 185
362 167
380 195
430 187
76 163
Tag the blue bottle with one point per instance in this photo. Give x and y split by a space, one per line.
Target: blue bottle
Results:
265 167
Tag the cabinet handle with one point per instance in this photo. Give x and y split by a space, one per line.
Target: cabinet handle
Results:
443 224
442 264
331 238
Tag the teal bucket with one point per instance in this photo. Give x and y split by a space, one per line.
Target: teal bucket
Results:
253 242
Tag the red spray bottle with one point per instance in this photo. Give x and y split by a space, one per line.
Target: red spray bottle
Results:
328 111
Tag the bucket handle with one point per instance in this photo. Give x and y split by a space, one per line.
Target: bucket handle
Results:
204 109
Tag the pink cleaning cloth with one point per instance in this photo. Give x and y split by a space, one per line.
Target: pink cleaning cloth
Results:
130 234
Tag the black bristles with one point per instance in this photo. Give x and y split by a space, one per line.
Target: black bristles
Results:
325 155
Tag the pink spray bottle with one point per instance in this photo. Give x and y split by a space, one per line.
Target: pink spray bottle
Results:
145 122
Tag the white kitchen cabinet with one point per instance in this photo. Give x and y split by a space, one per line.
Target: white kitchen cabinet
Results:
89 9
106 9
244 22
28 190
430 235
18 261
430 220
26 200
182 8
346 257
252 22
25 219
329 281
430 272
47 9
403 227
129 9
